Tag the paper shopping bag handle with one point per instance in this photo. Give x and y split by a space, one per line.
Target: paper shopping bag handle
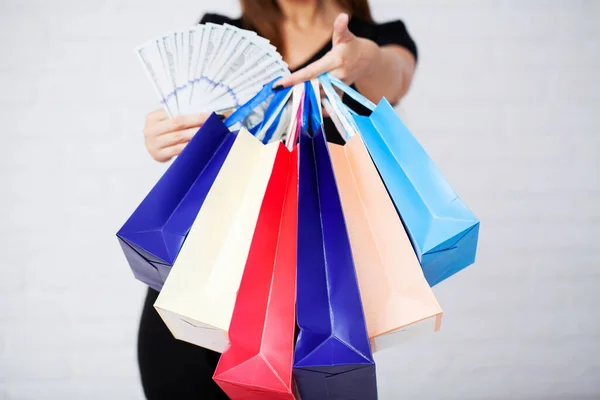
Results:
258 99
273 115
351 92
311 115
338 108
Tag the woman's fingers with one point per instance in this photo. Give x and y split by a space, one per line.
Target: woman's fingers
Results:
157 115
172 138
330 61
166 137
326 63
341 33
177 123
169 152
181 122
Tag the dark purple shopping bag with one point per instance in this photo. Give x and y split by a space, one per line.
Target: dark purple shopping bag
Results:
332 358
153 235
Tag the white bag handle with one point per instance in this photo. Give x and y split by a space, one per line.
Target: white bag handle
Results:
337 110
296 95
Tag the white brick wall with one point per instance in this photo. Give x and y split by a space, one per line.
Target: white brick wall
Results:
506 100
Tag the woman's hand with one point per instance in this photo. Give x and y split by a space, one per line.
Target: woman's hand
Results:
166 137
349 58
377 72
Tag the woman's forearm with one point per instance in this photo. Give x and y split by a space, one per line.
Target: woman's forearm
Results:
389 74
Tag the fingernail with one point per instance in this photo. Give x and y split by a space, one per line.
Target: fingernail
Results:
277 87
221 116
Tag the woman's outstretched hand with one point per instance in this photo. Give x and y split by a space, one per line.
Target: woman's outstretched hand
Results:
166 137
349 58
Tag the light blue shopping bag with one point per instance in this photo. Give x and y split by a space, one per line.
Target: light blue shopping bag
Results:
442 229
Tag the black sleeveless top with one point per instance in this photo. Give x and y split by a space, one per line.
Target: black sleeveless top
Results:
393 32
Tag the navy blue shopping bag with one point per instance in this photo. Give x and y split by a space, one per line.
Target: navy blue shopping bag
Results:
332 358
153 235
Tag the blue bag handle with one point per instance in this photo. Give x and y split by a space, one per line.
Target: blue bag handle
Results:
343 113
362 100
245 110
352 112
311 115
275 107
278 98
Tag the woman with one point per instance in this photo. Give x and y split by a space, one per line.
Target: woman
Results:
313 36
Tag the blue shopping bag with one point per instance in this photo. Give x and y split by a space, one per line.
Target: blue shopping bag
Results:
332 358
153 235
442 229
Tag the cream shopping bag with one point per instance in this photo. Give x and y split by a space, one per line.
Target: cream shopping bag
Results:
393 289
197 300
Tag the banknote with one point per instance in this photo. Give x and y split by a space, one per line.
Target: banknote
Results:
247 62
149 60
166 48
215 38
188 40
180 65
223 50
249 81
210 67
200 62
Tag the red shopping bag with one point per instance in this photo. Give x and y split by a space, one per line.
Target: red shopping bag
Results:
257 364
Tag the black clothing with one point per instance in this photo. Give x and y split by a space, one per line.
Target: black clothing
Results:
172 369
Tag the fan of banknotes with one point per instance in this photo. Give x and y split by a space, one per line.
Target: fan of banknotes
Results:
209 67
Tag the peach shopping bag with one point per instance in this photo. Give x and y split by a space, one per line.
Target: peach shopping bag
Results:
393 289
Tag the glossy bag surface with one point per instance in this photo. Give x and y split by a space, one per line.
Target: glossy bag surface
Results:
398 302
197 300
153 235
257 363
332 358
443 230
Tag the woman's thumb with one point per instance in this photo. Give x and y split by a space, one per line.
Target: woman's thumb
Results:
341 33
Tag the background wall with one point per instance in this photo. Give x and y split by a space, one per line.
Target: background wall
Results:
506 100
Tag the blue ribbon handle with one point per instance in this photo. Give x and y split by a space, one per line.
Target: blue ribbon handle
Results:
311 115
351 92
245 110
342 111
276 107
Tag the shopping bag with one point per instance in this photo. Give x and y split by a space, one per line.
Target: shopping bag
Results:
394 292
443 231
197 299
257 363
332 358
153 235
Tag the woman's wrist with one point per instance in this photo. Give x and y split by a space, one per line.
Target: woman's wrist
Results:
385 73
372 60
372 55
